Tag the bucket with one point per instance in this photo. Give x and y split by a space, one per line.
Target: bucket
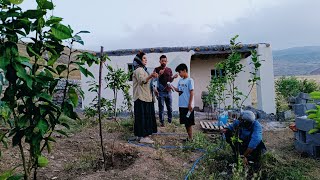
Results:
223 120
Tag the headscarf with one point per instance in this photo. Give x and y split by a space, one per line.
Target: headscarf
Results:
247 118
137 61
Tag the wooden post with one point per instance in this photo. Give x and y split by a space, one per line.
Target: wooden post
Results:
99 109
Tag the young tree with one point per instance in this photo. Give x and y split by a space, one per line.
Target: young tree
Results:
32 116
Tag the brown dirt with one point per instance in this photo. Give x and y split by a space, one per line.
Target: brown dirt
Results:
79 156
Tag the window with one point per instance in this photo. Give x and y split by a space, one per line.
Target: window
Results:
130 69
217 73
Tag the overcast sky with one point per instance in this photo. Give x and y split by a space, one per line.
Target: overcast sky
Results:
119 24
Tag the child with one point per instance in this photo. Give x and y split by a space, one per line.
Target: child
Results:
186 98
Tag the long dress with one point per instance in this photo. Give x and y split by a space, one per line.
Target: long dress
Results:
144 113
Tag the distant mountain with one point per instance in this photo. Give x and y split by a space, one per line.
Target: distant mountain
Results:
297 61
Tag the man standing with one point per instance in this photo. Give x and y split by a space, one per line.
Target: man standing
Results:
163 90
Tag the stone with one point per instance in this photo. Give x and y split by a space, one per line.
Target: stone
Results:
300 101
285 115
310 149
310 106
313 138
305 96
299 109
304 124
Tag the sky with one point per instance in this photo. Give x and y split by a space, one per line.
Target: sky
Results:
127 24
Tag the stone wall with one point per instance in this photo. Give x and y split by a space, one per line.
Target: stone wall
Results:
57 98
305 142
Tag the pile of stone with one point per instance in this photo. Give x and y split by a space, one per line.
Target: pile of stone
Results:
58 97
301 104
260 115
305 142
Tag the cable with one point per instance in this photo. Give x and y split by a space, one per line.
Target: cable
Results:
184 147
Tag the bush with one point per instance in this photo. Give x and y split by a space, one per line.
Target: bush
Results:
287 87
291 86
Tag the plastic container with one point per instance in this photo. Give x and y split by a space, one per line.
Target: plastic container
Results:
223 119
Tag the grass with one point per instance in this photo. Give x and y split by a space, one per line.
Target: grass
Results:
281 163
86 162
284 164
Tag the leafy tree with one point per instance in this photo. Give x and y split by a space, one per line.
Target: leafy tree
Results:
116 80
27 106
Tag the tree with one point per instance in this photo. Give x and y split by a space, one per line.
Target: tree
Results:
31 115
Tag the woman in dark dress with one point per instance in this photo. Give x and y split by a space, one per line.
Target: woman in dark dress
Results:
144 113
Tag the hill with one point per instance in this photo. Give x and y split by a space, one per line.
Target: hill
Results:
297 61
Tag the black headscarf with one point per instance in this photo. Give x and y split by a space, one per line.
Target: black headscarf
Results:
137 62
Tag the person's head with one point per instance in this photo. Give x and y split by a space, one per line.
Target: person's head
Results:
182 69
163 60
247 118
140 60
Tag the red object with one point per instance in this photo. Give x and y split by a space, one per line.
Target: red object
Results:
293 127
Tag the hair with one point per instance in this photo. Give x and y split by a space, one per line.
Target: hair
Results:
163 56
140 54
181 67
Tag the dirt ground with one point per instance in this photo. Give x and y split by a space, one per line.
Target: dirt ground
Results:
79 156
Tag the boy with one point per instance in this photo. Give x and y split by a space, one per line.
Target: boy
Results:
186 98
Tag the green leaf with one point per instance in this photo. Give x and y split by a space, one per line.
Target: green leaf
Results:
4 62
5 175
42 161
65 125
16 177
85 72
62 132
61 31
24 60
22 73
49 147
51 139
313 131
44 4
78 39
54 20
16 1
73 96
82 32
60 68
17 137
43 126
34 14
45 96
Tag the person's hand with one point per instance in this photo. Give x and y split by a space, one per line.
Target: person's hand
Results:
161 72
190 107
154 75
175 76
245 161
156 92
224 130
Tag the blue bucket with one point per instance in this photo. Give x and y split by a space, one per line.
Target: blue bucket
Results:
223 120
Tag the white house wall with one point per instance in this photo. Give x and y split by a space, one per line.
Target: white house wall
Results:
265 88
201 73
174 58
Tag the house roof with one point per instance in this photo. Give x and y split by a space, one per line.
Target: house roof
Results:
211 49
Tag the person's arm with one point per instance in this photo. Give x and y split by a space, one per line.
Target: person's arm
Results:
191 88
142 76
190 100
256 138
232 126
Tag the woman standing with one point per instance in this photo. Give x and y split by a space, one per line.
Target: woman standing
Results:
144 113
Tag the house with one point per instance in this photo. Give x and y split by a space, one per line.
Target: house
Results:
201 62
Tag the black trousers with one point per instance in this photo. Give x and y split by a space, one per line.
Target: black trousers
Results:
254 156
